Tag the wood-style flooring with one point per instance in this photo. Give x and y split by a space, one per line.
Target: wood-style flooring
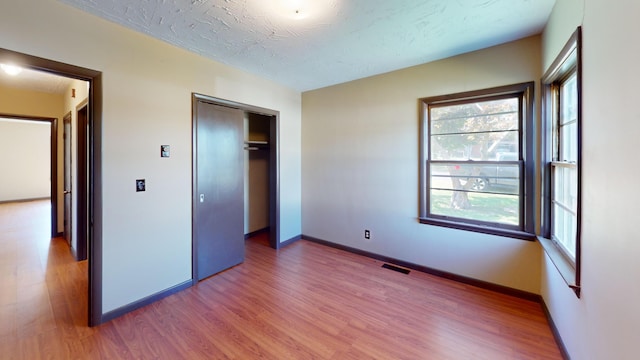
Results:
305 301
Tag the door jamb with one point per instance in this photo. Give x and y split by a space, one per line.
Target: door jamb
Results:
82 176
94 196
274 168
64 175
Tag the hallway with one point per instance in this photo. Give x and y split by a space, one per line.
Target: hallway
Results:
44 290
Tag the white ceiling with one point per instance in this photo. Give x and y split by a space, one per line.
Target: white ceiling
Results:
36 81
328 41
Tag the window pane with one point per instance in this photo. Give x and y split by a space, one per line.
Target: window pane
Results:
557 230
477 146
454 119
569 142
564 230
569 100
501 178
559 185
478 130
567 123
565 187
495 208
487 109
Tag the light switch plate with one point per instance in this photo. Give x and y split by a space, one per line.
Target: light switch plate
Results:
140 185
165 151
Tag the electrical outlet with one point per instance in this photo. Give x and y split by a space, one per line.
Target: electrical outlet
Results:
367 234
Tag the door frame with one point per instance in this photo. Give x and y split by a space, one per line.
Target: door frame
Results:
274 168
66 141
82 175
94 187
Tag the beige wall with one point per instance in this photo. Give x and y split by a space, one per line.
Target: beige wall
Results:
605 322
566 16
18 101
72 105
147 87
26 160
360 166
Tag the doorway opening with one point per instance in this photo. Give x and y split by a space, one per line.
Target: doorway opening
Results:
82 171
261 156
26 179
258 130
90 215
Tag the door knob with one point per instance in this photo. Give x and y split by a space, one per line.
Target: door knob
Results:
67 192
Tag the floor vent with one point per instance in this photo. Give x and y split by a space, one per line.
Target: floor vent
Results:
395 268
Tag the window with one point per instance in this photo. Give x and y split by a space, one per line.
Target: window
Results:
477 161
560 230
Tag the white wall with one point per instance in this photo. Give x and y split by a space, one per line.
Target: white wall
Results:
26 159
605 322
147 86
360 166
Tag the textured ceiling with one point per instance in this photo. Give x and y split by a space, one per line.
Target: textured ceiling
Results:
308 44
36 81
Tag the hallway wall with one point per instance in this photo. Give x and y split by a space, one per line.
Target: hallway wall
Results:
26 161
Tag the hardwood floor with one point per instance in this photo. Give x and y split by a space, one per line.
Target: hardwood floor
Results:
305 301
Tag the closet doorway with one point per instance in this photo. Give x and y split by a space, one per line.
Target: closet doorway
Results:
260 153
261 169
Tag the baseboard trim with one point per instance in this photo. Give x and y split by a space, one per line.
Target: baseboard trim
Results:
144 302
257 232
290 241
443 274
554 330
24 200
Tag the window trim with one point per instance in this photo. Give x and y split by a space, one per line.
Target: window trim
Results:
561 69
527 150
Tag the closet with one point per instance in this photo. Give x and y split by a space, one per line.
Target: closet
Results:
257 130
235 188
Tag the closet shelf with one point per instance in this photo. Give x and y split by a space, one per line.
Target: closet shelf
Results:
256 145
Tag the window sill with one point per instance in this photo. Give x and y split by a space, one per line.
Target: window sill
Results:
480 229
565 267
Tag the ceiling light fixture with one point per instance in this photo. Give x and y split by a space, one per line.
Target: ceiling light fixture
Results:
12 70
295 9
301 12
